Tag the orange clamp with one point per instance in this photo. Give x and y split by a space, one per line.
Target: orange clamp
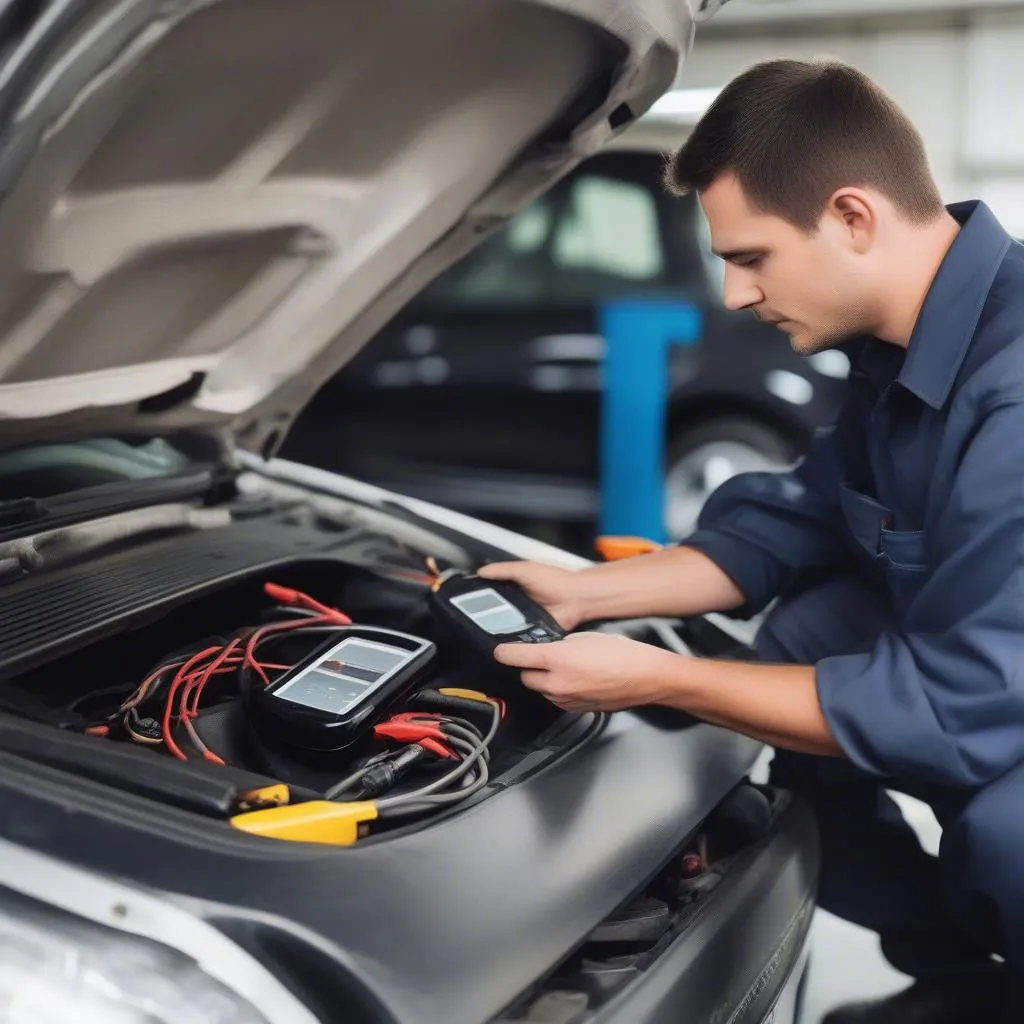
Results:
612 548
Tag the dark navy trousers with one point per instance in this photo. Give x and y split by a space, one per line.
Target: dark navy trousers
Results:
936 917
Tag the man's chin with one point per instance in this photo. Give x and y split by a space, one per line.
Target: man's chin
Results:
804 343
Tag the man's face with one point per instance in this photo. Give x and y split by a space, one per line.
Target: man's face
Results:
815 288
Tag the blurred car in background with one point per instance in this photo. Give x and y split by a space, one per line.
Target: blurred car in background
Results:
484 392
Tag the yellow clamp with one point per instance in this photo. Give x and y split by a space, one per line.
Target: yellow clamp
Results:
318 821
265 796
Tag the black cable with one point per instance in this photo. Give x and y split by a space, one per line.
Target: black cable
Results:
124 688
295 612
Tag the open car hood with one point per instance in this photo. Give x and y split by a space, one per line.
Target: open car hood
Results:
208 206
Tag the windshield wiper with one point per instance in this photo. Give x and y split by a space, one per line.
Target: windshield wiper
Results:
107 499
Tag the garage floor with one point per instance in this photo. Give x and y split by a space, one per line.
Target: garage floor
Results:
845 962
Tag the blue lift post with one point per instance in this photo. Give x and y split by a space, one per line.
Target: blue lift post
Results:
638 335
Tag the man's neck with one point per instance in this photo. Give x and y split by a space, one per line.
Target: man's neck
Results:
920 256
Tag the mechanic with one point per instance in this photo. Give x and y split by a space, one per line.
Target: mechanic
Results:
894 658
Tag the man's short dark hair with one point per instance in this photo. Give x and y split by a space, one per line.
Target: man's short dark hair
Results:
793 132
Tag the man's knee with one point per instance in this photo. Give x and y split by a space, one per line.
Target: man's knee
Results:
982 853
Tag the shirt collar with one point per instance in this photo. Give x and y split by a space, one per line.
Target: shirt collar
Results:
954 303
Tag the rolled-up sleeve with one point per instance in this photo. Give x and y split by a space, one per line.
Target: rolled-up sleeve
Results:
944 699
762 529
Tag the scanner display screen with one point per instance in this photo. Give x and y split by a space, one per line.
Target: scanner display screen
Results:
490 611
344 676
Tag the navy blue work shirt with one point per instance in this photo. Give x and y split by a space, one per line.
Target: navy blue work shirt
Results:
920 485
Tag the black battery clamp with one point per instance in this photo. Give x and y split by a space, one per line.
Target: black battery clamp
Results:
486 613
337 694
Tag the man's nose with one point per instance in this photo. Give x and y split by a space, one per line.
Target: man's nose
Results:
741 292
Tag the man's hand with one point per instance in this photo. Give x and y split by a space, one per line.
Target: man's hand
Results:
557 590
777 704
593 671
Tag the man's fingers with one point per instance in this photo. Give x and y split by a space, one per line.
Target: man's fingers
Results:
500 570
536 679
522 655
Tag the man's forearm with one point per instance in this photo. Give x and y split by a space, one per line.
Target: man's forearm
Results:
777 704
678 581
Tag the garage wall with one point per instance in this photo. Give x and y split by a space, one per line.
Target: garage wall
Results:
962 84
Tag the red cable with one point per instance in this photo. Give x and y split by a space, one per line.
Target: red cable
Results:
179 678
336 619
193 676
203 677
194 680
231 665
296 598
225 660
196 689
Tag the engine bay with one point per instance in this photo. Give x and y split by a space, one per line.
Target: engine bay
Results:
322 699
295 666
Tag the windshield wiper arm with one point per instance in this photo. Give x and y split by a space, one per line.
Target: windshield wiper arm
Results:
105 499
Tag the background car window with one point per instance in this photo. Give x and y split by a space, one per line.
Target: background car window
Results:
611 228
508 269
530 230
594 235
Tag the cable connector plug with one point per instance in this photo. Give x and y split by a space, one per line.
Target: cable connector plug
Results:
382 777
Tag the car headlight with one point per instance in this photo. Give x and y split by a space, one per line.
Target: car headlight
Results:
56 968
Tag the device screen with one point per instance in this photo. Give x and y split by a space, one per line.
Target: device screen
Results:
344 676
490 611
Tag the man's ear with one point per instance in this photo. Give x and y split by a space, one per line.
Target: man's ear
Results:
855 213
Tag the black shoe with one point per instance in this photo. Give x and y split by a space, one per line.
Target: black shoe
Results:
968 1002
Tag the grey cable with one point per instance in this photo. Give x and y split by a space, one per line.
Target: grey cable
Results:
473 758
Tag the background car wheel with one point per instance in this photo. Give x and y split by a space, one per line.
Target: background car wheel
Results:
702 457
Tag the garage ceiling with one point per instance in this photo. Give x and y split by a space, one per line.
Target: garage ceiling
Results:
954 66
747 13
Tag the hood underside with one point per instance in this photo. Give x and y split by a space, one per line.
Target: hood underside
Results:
210 205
